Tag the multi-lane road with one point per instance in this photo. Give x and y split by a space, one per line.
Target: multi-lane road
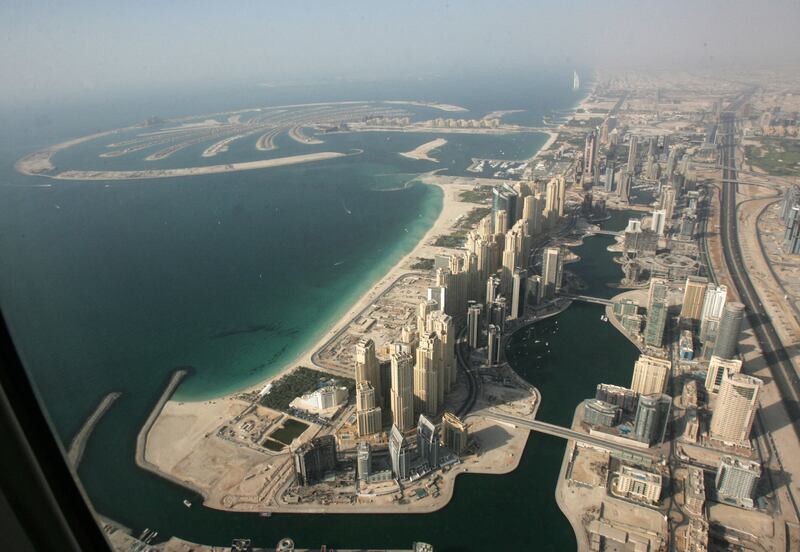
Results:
775 355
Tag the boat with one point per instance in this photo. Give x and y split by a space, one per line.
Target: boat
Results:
265 514
187 503
576 80
604 318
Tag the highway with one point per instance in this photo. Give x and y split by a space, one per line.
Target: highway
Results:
779 363
631 452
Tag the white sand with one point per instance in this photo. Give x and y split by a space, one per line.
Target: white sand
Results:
422 151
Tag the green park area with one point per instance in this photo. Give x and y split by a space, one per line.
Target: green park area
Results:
774 155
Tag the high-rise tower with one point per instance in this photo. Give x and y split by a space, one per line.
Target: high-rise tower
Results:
729 327
402 393
735 409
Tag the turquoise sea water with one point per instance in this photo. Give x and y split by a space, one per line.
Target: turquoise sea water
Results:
112 287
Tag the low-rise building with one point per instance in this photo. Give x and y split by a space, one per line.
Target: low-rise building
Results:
637 484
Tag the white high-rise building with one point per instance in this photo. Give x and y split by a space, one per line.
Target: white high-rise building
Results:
717 368
659 223
650 375
735 409
552 267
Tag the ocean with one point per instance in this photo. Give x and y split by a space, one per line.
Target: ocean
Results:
112 285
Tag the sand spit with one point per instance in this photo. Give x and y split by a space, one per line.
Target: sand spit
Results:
39 162
422 151
222 145
296 134
193 171
434 105
266 142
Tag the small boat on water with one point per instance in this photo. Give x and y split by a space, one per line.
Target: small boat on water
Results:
187 503
265 514
604 318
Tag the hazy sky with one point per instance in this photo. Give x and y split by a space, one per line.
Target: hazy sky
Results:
73 47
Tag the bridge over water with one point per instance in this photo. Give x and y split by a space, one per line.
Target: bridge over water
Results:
587 299
625 452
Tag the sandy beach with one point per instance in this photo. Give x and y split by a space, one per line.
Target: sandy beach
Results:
422 151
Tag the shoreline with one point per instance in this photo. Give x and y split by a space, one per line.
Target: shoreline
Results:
448 215
202 414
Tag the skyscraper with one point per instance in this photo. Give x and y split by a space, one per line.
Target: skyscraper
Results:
493 345
716 371
552 267
633 155
729 327
312 460
492 289
442 325
693 297
609 176
624 185
367 365
737 480
659 222
735 409
428 441
364 460
474 325
652 416
668 202
713 305
454 433
589 154
426 375
650 375
402 394
504 199
657 311
519 293
368 416
656 323
511 260
399 454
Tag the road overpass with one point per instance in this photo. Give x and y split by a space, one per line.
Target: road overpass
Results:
625 452
606 233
